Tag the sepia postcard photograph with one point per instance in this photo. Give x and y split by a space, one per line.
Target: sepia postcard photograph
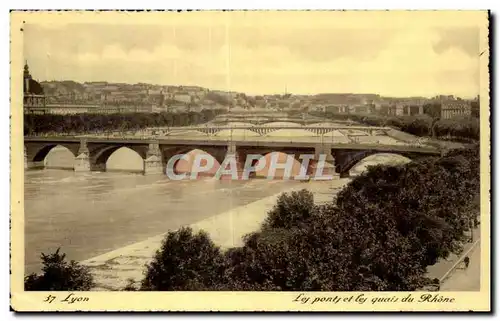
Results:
250 161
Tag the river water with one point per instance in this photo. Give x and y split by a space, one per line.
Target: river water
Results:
88 214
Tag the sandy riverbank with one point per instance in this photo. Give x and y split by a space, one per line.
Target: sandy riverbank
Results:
112 270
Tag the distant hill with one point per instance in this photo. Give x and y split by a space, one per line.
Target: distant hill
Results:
66 86
344 99
102 91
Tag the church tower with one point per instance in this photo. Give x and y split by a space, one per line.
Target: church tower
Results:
27 78
33 90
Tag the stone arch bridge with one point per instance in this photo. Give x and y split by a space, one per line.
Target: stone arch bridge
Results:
92 153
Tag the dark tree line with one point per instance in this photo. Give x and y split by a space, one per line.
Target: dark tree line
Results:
460 129
379 234
90 123
59 275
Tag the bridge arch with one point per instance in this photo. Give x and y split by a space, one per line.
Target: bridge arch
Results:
334 133
279 173
101 156
40 154
360 160
185 164
336 136
125 159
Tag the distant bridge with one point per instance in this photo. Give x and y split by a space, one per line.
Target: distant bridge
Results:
262 130
246 128
345 147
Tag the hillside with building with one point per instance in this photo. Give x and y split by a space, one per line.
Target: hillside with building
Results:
71 97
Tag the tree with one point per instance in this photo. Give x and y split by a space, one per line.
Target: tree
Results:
333 252
433 109
291 210
265 262
426 199
185 262
417 125
59 275
461 129
98 123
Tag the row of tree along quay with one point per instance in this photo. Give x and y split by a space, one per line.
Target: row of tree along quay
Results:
379 233
460 129
99 123
457 129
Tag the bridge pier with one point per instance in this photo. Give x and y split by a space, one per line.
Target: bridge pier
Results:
82 161
232 156
323 157
30 162
153 164
97 167
35 165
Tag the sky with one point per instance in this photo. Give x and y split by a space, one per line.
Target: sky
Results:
264 53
